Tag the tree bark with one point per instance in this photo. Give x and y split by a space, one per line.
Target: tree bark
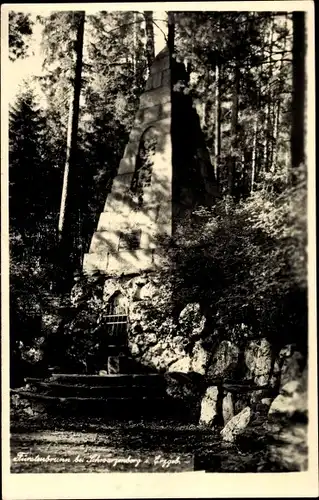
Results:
233 133
171 33
72 134
253 158
268 133
278 108
217 147
298 93
150 44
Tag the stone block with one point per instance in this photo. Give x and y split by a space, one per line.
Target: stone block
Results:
200 358
136 133
209 406
108 221
258 357
127 262
152 114
166 77
166 110
118 203
155 96
161 63
93 263
236 425
148 85
226 355
182 365
156 80
127 164
228 408
104 242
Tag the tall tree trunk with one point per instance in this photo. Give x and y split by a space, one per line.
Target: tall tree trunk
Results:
253 158
298 92
171 33
278 108
150 43
65 216
268 120
233 133
217 147
134 44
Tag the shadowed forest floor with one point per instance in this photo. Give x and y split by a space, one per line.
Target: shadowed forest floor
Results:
145 447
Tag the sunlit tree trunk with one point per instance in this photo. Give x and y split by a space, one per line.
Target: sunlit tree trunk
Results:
72 130
217 145
150 44
253 157
233 133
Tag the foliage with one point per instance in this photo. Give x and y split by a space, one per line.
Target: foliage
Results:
20 30
248 264
245 259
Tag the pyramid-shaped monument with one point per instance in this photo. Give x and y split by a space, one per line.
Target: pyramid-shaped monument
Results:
164 175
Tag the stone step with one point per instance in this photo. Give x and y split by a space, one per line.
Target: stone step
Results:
121 408
129 380
103 391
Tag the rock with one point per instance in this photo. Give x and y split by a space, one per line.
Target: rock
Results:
261 380
148 291
135 350
286 351
191 320
290 369
266 401
182 386
292 399
236 425
200 358
198 330
182 365
208 406
288 417
258 358
228 407
226 354
256 396
151 338
159 358
78 293
290 451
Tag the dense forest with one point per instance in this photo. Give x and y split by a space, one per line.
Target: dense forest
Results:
247 80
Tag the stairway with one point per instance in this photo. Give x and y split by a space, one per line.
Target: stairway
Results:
119 396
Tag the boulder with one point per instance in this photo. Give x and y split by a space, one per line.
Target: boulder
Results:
191 320
291 368
292 399
182 365
228 407
182 386
236 425
200 358
148 291
226 354
258 359
163 354
288 417
290 451
209 406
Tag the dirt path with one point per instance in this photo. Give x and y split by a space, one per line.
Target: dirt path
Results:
69 451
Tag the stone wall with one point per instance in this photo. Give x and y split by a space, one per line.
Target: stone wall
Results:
232 378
